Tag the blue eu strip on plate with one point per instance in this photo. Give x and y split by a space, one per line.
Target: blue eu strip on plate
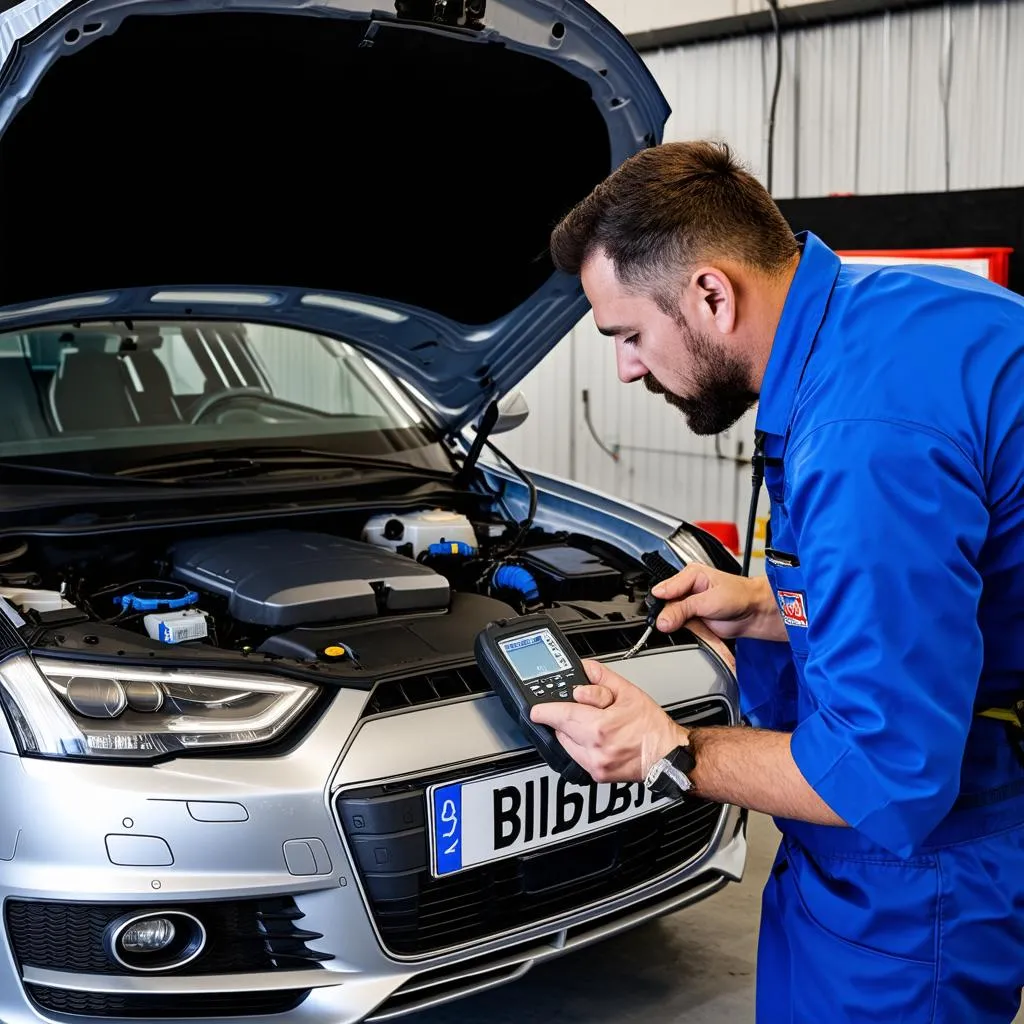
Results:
448 828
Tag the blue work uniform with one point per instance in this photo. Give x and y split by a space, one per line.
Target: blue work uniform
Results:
892 414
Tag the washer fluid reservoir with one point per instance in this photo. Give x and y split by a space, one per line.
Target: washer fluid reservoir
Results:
413 532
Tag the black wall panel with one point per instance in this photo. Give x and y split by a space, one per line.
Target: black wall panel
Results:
937 220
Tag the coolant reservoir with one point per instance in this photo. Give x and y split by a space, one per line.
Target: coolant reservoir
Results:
418 529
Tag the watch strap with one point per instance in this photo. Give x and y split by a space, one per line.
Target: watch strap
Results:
669 776
682 758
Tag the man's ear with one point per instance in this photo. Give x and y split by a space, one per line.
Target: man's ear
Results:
716 298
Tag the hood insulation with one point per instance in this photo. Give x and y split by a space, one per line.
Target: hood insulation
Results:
283 149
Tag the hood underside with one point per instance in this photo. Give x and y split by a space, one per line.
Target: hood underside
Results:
302 149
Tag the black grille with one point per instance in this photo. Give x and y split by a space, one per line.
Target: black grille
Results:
217 1004
242 935
466 680
419 914
466 976
429 688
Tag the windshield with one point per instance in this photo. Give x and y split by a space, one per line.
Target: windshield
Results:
120 387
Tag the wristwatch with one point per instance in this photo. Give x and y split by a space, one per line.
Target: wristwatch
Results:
668 777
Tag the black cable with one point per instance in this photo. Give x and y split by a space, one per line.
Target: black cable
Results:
774 6
722 457
613 454
758 479
485 426
524 526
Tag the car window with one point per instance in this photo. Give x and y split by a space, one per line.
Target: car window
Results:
309 374
183 370
110 385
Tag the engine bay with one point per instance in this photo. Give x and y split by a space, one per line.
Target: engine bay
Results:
351 594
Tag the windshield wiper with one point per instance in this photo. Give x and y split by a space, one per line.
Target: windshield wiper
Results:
83 476
218 463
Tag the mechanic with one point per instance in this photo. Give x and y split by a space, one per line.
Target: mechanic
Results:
881 659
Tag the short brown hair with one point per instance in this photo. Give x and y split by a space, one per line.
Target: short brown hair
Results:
668 208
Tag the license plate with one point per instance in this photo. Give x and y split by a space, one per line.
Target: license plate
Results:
473 823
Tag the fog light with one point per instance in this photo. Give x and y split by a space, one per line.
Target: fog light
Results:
158 941
148 936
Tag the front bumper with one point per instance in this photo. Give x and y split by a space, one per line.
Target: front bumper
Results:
261 846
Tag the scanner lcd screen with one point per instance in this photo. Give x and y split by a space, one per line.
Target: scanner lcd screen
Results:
534 655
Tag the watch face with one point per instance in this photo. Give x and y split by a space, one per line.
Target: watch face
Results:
678 778
665 779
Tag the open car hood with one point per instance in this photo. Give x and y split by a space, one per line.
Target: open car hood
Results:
388 176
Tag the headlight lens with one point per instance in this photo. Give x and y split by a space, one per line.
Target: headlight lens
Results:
70 709
687 547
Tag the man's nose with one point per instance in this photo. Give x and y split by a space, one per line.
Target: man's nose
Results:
628 363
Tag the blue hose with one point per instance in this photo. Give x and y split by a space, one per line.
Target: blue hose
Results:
516 578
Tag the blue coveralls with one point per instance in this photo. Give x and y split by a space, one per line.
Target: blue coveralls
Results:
892 409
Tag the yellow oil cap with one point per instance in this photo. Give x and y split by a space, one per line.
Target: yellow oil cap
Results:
335 651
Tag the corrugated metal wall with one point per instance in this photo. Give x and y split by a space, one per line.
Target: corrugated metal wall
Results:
909 102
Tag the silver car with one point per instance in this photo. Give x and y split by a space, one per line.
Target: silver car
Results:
271 272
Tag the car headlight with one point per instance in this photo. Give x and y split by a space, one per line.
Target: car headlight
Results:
687 547
71 709
690 549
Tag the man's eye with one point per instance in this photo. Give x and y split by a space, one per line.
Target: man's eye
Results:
633 339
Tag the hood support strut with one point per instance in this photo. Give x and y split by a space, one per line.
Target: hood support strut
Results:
487 421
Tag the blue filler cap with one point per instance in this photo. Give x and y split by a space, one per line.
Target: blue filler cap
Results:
454 547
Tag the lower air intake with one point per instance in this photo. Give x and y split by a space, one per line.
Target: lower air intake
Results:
242 935
200 1007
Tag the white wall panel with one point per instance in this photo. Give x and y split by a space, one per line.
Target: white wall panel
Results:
862 109
547 440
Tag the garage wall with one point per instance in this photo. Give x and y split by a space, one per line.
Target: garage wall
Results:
649 23
911 102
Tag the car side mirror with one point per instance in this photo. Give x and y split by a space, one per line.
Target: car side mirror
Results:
512 412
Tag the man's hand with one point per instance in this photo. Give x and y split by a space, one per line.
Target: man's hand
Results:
612 728
731 606
616 732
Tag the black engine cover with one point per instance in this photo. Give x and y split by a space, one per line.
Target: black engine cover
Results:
393 643
281 578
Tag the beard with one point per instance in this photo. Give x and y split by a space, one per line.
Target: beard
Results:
721 393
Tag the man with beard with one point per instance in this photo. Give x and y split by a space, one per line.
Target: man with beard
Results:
881 660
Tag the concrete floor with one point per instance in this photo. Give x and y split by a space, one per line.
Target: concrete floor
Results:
692 967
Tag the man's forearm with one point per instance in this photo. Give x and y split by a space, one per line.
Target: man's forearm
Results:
766 620
754 768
